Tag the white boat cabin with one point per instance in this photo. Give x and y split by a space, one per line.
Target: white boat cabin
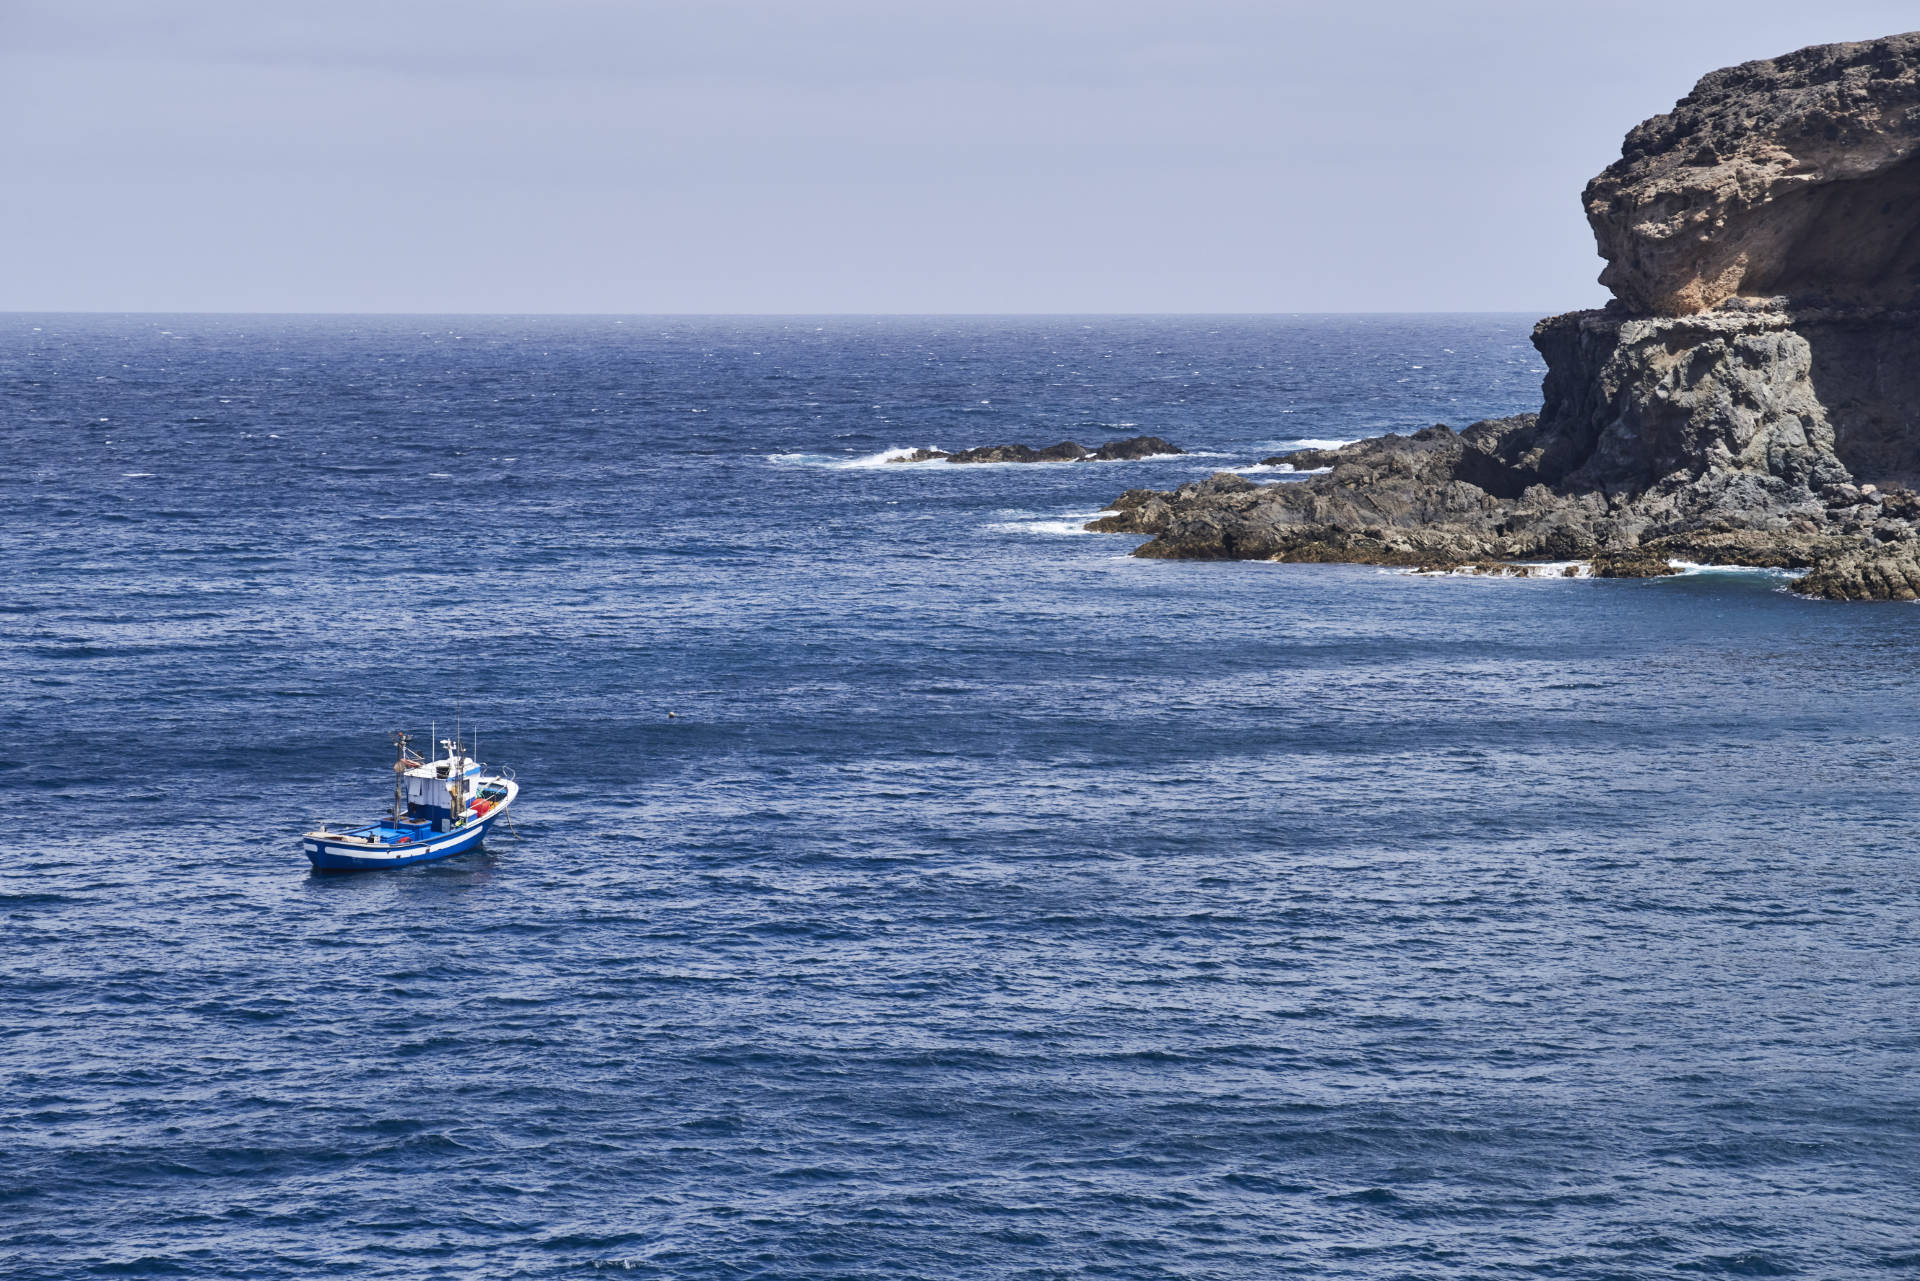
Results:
431 786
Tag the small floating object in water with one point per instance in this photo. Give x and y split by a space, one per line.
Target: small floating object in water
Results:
441 808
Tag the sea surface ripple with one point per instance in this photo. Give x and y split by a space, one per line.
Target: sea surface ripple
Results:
990 905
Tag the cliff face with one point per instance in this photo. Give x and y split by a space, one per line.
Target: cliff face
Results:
1813 396
1752 396
1793 177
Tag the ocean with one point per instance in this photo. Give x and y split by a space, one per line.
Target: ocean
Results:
906 883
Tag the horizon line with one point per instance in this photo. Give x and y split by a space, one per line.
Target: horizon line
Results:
788 315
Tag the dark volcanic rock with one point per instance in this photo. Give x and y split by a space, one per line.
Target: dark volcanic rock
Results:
1635 564
921 456
1436 497
1866 572
1689 419
1135 447
1064 452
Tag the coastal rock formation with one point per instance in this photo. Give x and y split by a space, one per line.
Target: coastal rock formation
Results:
1065 452
1792 177
1752 396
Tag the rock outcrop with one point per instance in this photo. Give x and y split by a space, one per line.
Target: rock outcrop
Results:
1066 451
1135 447
1752 395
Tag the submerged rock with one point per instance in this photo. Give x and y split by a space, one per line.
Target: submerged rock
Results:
1688 419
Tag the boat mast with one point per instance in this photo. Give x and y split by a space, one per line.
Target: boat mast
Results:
400 741
456 773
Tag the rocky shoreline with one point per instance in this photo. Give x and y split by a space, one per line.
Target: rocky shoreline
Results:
1751 396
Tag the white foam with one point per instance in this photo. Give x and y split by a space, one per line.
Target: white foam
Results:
1550 569
136 475
1584 569
1285 469
895 459
1309 442
1069 525
1688 568
885 458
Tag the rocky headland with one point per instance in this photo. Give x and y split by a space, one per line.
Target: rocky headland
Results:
1134 447
1750 396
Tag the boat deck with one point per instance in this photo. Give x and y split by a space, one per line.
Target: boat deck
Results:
388 832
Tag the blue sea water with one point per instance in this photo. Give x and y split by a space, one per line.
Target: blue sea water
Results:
991 904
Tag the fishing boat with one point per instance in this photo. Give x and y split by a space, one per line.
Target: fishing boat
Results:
441 808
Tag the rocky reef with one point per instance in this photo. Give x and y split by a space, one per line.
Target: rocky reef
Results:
1066 451
1750 397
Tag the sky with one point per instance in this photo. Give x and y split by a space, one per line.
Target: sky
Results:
836 156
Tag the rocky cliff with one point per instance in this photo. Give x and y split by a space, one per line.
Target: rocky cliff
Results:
1752 395
1792 177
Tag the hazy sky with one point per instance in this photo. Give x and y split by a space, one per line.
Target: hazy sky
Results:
836 155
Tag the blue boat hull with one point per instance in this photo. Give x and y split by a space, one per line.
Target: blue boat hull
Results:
331 856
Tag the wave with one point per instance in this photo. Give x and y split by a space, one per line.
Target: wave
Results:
895 457
1067 525
1689 568
1284 469
1507 570
1308 442
885 458
1580 569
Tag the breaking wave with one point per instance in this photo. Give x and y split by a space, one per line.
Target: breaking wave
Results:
1067 525
1310 442
894 457
1283 469
1690 568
